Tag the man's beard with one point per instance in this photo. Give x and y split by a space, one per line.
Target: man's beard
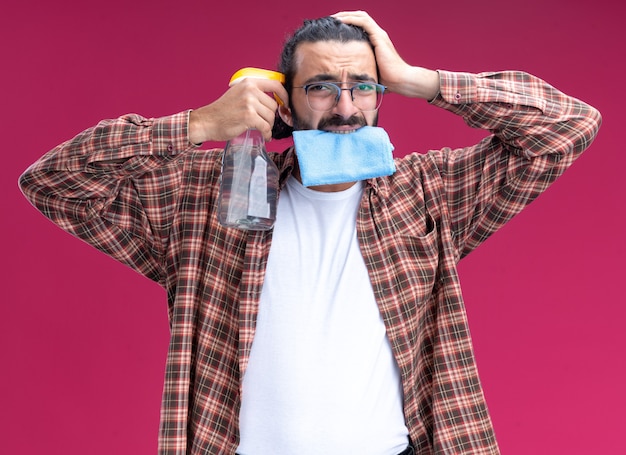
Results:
333 120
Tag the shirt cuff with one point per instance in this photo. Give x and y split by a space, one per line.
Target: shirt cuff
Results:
456 88
170 134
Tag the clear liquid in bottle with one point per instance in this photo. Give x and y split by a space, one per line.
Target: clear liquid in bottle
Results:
249 184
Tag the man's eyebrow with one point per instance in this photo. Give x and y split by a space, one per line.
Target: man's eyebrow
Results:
333 78
361 77
321 78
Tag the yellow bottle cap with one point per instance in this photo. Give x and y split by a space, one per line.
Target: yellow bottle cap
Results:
257 73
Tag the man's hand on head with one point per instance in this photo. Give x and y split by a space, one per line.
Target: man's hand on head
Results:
395 73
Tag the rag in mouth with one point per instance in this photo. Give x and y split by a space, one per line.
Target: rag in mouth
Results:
327 158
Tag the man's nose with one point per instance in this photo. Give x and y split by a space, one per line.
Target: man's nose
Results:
345 106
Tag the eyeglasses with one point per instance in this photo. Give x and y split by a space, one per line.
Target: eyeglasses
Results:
323 96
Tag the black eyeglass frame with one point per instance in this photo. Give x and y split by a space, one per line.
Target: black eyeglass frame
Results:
379 89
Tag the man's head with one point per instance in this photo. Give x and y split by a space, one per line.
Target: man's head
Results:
325 50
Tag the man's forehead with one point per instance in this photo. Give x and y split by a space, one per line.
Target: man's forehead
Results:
332 59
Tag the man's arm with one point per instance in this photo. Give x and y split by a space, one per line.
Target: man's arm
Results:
103 186
538 132
117 185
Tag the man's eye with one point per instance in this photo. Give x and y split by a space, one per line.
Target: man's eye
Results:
364 88
320 88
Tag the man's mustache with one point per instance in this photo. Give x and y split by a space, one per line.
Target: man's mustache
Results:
337 120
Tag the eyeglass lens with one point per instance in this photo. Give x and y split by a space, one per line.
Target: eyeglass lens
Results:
324 96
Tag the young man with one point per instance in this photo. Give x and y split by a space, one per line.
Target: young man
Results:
343 329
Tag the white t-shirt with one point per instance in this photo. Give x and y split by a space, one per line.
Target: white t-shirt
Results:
321 377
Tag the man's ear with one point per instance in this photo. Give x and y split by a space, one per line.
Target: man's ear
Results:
285 115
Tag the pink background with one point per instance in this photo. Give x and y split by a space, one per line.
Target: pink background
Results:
83 339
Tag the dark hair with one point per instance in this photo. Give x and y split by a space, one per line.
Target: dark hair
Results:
312 31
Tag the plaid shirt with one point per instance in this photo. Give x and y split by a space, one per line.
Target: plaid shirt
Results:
136 189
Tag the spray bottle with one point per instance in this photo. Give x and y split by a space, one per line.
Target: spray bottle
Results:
249 180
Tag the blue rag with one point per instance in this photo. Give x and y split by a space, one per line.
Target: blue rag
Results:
327 158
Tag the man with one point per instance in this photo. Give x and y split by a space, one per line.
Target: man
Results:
343 329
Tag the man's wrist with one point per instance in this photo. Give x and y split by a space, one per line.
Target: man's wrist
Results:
428 83
417 82
194 129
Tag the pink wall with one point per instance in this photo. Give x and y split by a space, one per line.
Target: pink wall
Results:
83 339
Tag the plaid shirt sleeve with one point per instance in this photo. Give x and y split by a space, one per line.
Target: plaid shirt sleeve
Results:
91 186
538 133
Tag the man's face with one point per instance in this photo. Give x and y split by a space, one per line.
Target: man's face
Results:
331 61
